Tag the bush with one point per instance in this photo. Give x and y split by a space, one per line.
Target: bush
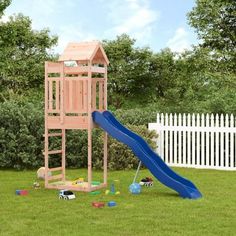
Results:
119 155
22 142
137 116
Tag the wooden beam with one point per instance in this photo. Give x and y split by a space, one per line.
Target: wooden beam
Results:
94 95
53 134
55 169
63 160
105 89
62 109
50 90
53 67
105 158
46 124
57 95
89 105
70 96
105 152
53 177
101 95
53 152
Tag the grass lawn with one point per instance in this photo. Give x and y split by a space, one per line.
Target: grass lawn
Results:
156 211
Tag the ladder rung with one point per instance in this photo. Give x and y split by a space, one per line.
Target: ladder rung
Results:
53 152
53 134
55 169
55 177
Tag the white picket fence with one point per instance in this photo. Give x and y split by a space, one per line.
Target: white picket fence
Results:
199 141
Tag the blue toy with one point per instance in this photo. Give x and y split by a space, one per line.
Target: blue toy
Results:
111 204
135 188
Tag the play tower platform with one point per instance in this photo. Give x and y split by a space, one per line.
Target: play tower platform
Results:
75 86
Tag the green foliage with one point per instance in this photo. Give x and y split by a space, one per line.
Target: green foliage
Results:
129 71
23 52
215 22
201 85
121 157
3 5
137 116
22 142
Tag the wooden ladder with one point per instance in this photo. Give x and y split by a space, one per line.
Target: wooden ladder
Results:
47 152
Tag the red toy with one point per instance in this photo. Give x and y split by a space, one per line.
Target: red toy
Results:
22 192
98 204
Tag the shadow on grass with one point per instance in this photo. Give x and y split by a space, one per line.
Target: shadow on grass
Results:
161 194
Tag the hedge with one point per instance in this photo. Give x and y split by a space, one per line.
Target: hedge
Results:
22 142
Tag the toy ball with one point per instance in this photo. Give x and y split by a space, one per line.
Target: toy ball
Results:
41 173
135 188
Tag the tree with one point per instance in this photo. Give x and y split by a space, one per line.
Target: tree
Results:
163 70
129 71
215 23
200 85
22 55
3 5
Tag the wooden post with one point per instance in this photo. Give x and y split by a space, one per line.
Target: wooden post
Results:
89 126
62 97
63 155
105 133
46 125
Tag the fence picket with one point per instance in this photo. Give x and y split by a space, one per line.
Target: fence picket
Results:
226 141
222 142
166 140
193 142
175 140
212 149
217 144
179 158
202 159
231 142
171 140
162 135
198 142
189 141
184 140
207 141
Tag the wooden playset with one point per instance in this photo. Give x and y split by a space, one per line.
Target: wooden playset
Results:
75 86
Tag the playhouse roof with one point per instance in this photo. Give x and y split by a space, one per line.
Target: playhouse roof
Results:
84 51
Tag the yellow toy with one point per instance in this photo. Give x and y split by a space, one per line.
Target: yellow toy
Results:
78 181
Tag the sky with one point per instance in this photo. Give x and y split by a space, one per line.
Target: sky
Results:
154 23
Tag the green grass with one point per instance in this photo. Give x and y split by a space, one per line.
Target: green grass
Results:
156 211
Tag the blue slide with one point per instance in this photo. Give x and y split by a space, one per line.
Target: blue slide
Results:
149 158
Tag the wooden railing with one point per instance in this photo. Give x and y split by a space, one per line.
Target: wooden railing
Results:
67 93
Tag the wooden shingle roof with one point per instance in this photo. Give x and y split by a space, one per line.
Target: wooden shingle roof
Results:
84 51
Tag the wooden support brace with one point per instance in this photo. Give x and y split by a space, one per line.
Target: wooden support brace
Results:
53 152
53 134
55 169
53 177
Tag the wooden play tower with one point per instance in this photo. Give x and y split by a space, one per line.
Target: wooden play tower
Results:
75 86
